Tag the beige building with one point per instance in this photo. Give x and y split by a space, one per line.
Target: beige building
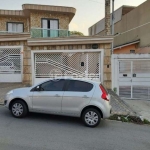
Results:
35 44
131 30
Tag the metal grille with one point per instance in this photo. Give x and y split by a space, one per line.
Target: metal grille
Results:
124 66
10 61
125 91
76 64
141 66
141 92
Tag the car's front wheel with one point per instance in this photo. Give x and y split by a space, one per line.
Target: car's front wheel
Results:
91 117
19 109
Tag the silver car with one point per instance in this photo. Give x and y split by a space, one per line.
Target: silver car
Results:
70 97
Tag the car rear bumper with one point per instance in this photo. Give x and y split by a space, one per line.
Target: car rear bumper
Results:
107 111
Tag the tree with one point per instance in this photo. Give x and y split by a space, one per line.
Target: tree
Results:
76 33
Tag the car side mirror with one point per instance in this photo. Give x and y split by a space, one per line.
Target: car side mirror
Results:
38 88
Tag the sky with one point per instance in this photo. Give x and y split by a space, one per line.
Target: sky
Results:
88 11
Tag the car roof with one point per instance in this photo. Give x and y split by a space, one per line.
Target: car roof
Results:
69 78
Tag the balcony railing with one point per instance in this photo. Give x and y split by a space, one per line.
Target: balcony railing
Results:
48 33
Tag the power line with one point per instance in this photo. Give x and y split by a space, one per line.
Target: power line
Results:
96 1
133 29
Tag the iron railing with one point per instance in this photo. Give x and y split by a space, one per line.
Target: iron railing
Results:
48 33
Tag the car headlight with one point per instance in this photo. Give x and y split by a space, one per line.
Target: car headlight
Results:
10 92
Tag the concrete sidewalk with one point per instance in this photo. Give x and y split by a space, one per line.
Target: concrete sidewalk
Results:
141 107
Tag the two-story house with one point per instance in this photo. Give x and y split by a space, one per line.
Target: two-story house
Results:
35 44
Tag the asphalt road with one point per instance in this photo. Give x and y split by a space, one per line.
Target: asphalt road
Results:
47 132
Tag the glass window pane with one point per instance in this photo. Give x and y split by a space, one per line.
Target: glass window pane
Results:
53 85
79 86
19 27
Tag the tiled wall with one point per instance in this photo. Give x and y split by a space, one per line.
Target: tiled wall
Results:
27 74
4 20
35 19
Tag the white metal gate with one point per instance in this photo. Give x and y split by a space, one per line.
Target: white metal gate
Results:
70 64
10 64
134 78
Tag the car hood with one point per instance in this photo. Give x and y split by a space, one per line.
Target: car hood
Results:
26 89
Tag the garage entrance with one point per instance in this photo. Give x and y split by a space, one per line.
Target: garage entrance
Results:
74 63
10 64
133 78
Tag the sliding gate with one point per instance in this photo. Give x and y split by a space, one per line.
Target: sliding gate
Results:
67 64
10 64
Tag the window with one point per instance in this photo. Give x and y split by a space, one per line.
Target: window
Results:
53 85
132 51
50 27
79 86
15 27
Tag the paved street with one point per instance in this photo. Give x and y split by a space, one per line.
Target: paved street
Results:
47 132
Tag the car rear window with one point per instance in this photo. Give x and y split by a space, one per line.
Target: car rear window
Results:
79 86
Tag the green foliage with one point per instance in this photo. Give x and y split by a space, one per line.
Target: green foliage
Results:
146 121
133 119
115 89
76 33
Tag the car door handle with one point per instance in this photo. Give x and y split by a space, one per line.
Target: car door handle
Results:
57 95
85 96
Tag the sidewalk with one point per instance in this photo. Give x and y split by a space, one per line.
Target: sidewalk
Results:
142 107
119 106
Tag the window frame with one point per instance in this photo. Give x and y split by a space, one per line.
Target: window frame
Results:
68 83
49 20
15 23
131 51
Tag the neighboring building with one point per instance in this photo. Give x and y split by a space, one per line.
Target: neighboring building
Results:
131 30
35 44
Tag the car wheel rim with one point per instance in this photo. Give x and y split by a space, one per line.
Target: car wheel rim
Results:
17 109
91 118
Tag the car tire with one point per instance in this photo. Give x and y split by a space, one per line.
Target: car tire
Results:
19 109
91 117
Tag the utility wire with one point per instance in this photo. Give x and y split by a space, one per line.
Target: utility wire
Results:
133 29
96 1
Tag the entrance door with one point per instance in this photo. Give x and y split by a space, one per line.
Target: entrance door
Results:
134 79
50 27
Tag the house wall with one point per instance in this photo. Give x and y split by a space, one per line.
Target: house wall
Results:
35 19
27 72
107 58
126 50
4 20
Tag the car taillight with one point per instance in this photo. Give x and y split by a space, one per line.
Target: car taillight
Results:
104 93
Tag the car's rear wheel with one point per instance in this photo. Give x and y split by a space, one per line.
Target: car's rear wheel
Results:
91 117
19 109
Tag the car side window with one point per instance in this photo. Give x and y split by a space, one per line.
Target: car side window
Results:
53 85
79 86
